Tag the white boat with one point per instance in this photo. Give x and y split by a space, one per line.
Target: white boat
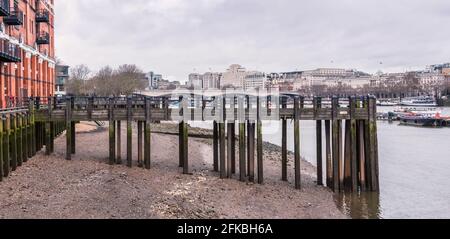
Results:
386 103
417 111
420 102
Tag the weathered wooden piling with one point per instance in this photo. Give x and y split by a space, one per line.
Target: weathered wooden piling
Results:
73 128
284 151
251 151
68 128
230 151
373 139
140 143
119 142
335 143
31 109
347 157
317 106
112 133
329 156
297 155
6 149
48 134
259 144
147 134
233 147
129 132
222 141
354 145
242 139
18 133
185 148
216 146
13 142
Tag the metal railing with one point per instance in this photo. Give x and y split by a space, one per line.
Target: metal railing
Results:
10 52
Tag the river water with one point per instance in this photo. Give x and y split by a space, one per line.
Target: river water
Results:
414 170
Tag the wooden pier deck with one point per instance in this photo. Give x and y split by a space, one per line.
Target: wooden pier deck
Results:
347 156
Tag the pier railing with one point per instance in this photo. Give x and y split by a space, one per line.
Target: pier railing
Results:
347 155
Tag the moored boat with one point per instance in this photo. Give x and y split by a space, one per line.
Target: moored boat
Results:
419 102
423 121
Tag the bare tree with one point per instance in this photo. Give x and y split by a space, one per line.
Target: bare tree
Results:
76 85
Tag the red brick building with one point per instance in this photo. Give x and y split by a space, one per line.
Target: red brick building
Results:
27 50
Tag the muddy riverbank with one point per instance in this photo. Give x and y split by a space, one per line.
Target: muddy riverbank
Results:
87 187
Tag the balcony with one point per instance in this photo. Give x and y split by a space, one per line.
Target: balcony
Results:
43 38
9 52
43 16
4 8
15 18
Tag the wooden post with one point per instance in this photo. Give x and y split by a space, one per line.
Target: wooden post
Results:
341 157
180 144
73 129
68 128
242 120
242 165
186 149
140 143
222 161
297 143
354 145
6 149
335 143
51 102
318 105
19 152
23 118
48 136
329 157
73 134
32 128
367 149
233 148
251 151
284 151
373 145
147 134
229 148
216 146
13 142
119 142
180 135
222 164
348 157
361 156
129 132
259 144
112 133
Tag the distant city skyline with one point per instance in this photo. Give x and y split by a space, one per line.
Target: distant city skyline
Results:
174 37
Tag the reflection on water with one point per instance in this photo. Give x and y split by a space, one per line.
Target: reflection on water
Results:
360 205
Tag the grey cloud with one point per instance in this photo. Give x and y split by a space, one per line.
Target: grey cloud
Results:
175 36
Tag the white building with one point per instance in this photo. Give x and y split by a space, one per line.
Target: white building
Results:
195 81
211 80
255 80
234 76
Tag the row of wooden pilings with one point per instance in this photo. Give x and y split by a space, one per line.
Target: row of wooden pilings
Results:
21 137
351 156
350 153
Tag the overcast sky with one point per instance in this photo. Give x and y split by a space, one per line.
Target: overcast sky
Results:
177 37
